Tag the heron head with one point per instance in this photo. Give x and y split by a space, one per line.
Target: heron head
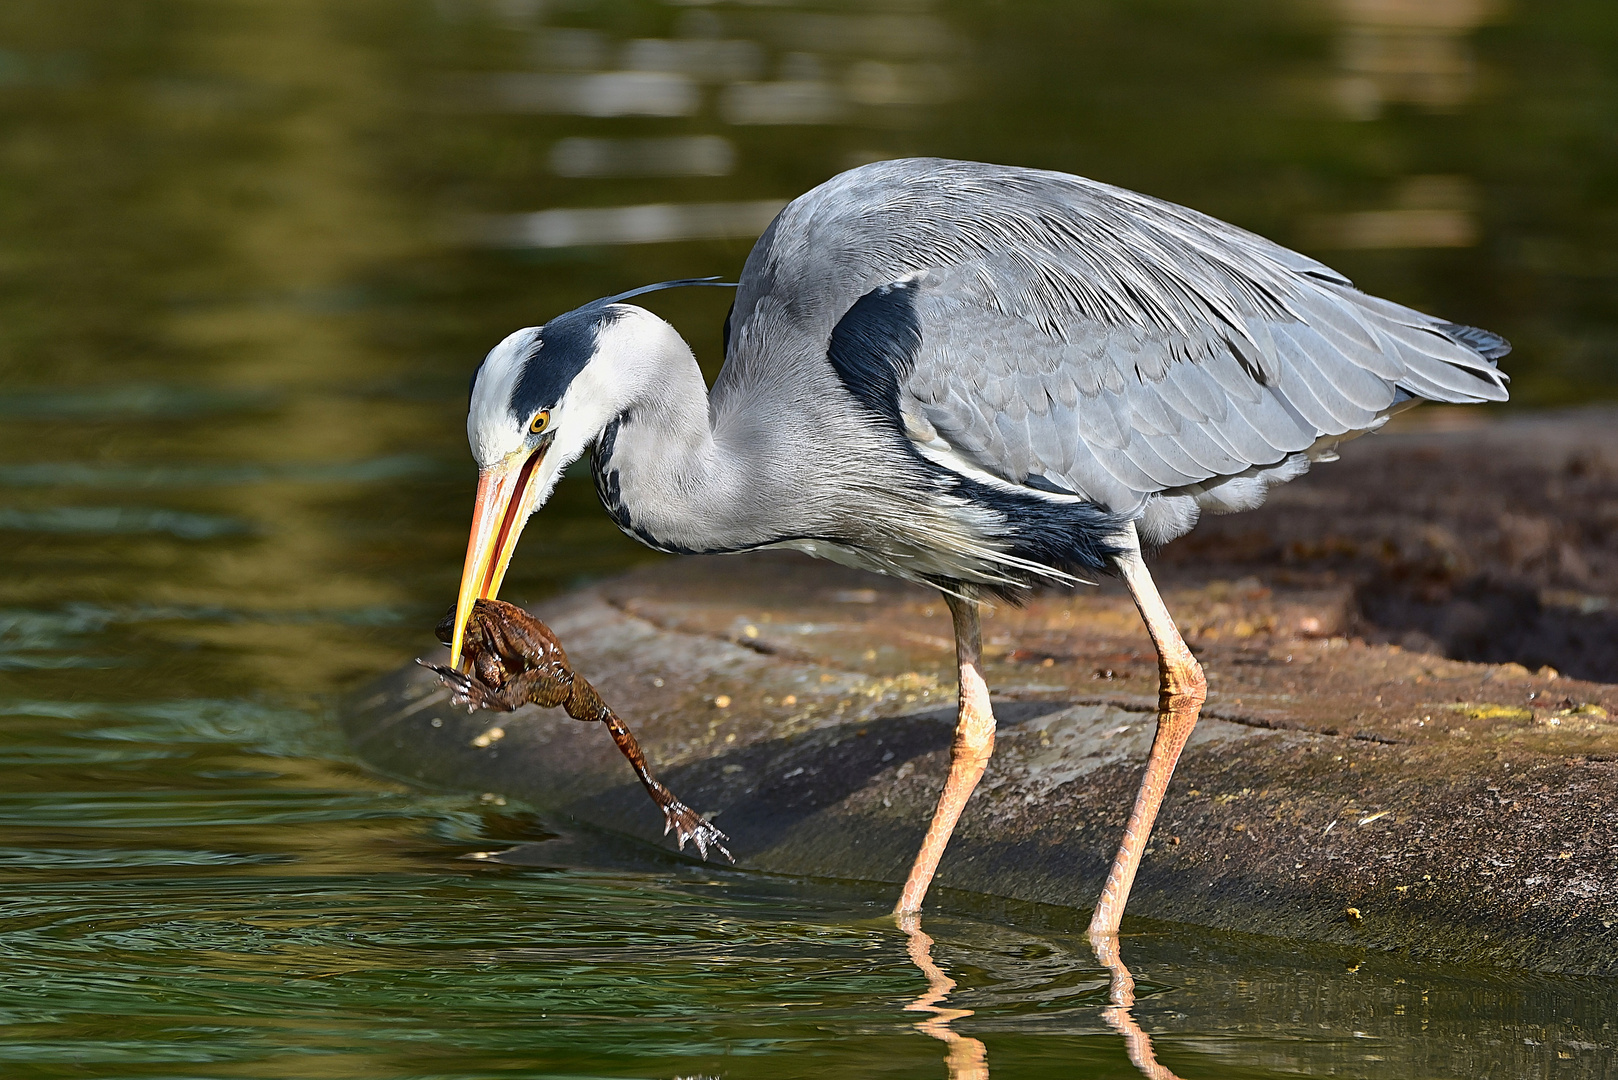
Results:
536 406
539 400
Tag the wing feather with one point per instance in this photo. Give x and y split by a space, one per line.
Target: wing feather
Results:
1282 427
1142 452
1063 447
1237 384
1098 424
1147 413
1047 444
1171 451
1198 387
1098 482
1354 382
1200 444
1112 343
1297 384
1240 431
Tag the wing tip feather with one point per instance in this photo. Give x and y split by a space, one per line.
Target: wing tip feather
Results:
1486 343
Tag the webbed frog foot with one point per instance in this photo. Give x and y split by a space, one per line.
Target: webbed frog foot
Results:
686 824
466 689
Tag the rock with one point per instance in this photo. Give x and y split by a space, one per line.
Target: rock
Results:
1342 786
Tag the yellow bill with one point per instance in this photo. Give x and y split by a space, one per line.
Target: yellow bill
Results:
505 498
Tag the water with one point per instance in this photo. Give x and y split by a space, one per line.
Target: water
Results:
249 253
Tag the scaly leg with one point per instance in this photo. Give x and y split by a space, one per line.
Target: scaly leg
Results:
1182 690
969 754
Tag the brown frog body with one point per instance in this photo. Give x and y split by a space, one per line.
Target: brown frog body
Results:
515 660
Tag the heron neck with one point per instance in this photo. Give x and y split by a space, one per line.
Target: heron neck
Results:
676 479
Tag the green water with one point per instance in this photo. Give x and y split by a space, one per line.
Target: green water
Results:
240 295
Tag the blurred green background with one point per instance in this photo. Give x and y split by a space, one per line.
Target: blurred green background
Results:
279 235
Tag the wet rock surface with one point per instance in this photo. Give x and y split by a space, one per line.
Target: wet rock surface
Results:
1348 783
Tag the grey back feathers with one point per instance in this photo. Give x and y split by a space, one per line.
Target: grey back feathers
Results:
968 373
1066 336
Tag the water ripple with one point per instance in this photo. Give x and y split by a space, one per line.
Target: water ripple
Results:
123 521
83 858
124 477
205 809
145 402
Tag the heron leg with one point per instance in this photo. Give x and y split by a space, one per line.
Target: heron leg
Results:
969 753
1182 689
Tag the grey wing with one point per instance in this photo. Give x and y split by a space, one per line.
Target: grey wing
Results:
1075 337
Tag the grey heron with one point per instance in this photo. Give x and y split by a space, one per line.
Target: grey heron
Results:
981 378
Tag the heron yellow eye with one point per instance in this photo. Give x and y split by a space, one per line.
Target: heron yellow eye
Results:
541 421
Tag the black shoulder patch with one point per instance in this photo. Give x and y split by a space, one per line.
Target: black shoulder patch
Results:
873 347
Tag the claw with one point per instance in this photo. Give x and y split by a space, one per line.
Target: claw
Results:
517 660
687 824
464 690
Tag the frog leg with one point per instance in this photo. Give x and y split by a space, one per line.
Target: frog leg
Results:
686 824
503 636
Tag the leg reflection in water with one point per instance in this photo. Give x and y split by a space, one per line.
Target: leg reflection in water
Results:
968 1058
1137 1044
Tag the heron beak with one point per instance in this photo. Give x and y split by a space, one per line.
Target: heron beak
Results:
505 498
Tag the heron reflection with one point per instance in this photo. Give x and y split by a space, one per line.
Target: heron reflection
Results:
968 1059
